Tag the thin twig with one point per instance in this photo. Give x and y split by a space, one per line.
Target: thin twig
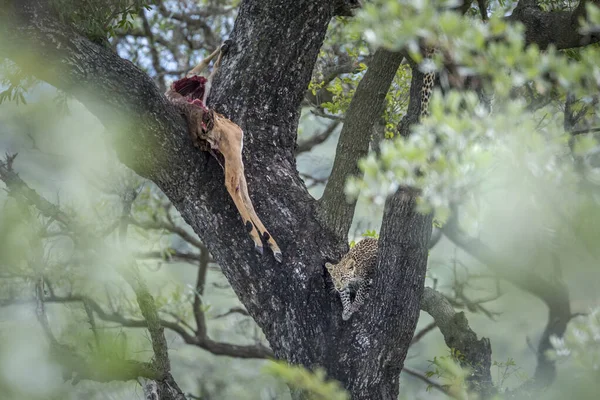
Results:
421 376
419 335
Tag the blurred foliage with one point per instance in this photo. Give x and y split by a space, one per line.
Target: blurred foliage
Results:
581 347
345 50
313 385
452 376
15 81
368 234
448 153
504 370
99 20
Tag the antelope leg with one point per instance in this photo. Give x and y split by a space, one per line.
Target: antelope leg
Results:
257 222
204 63
228 138
208 84
232 183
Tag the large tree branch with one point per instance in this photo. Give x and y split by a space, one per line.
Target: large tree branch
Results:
402 263
458 335
364 111
559 28
553 293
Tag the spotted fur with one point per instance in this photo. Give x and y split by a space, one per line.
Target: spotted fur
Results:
354 273
427 88
355 270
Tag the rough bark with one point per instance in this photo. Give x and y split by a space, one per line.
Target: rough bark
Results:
364 111
413 112
402 264
458 335
560 28
345 8
260 87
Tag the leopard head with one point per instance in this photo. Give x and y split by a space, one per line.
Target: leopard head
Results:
341 273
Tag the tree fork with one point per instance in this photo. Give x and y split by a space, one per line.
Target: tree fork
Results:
260 87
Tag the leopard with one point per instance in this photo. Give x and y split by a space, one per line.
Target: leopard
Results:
354 273
428 86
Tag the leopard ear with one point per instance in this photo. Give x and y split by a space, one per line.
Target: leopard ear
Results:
351 264
329 266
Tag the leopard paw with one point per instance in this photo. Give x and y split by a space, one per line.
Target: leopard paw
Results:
346 314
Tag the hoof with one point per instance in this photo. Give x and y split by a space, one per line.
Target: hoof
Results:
346 316
258 249
225 45
278 256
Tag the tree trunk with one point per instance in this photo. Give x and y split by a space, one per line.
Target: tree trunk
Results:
263 78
